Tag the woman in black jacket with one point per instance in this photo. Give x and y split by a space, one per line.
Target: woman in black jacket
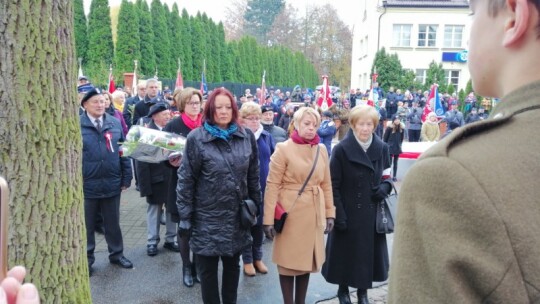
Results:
188 102
356 255
393 136
219 168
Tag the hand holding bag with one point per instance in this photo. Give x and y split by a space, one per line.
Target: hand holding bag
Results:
384 223
280 215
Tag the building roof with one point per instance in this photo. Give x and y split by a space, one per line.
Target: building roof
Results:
427 3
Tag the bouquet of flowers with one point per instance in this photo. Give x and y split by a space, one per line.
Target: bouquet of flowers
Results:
152 146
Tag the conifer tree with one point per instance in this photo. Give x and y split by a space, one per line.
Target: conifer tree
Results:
187 52
175 34
197 47
81 30
226 65
100 44
146 35
162 43
128 44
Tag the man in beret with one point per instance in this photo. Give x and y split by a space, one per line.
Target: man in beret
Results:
327 130
105 176
153 184
267 121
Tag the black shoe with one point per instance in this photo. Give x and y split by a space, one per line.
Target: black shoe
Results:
344 298
123 262
151 250
362 297
172 246
99 229
194 273
188 278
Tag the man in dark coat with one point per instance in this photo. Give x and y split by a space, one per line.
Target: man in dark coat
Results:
105 176
143 107
129 107
154 185
267 120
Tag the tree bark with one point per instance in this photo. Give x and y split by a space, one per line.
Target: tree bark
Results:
40 147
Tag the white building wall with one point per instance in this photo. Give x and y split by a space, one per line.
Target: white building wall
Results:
411 57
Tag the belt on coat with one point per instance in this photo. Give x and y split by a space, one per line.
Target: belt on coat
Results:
317 204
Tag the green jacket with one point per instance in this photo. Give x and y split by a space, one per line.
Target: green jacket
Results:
468 224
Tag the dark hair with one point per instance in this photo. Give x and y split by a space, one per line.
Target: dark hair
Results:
210 106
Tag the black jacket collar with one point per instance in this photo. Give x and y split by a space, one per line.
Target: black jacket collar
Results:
355 153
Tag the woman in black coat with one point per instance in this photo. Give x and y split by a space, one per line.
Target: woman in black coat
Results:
393 136
356 255
188 102
219 168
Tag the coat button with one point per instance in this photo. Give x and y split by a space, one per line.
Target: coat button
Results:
359 206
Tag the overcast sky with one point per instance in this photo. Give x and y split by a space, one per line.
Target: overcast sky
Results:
215 9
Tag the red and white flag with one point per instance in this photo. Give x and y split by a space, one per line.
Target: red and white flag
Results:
325 101
262 98
179 85
112 87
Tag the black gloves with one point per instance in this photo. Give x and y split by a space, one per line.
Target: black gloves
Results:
329 225
382 191
269 231
184 228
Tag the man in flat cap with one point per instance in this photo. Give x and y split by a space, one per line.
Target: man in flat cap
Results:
153 184
105 176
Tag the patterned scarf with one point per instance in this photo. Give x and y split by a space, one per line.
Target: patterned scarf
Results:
302 141
220 133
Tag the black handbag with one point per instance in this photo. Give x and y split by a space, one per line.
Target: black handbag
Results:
248 216
280 215
384 222
248 207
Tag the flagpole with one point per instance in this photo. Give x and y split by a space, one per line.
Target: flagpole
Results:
134 81
110 75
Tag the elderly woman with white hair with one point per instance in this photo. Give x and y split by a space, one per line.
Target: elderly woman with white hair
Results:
356 255
307 197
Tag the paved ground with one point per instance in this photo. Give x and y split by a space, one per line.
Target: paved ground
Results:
158 279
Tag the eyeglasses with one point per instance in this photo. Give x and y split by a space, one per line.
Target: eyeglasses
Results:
253 118
193 103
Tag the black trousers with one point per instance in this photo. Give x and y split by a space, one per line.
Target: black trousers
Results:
110 209
207 267
414 135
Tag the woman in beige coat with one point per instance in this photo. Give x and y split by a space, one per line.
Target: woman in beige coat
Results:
299 248
430 129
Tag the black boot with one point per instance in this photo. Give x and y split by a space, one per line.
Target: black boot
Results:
344 297
188 278
362 296
194 273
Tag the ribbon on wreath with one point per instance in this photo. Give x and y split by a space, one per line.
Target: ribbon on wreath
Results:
108 137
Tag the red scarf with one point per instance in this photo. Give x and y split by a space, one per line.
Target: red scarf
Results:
302 141
192 124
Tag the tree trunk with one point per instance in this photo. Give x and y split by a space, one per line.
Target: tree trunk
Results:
40 147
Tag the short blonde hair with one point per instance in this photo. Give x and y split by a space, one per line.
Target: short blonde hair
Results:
250 108
302 112
363 111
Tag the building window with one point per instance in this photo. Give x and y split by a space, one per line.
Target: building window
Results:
361 48
452 77
402 35
421 75
453 35
427 35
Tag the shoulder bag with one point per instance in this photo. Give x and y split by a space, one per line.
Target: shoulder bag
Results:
384 222
280 215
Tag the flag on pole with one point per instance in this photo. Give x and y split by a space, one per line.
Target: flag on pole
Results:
262 98
204 87
325 101
112 87
134 83
371 99
179 85
437 105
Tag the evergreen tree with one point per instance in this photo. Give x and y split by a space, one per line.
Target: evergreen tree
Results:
197 47
162 43
435 74
81 30
259 17
147 63
42 148
408 80
128 45
100 44
450 89
469 87
226 67
461 96
187 52
388 68
175 25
